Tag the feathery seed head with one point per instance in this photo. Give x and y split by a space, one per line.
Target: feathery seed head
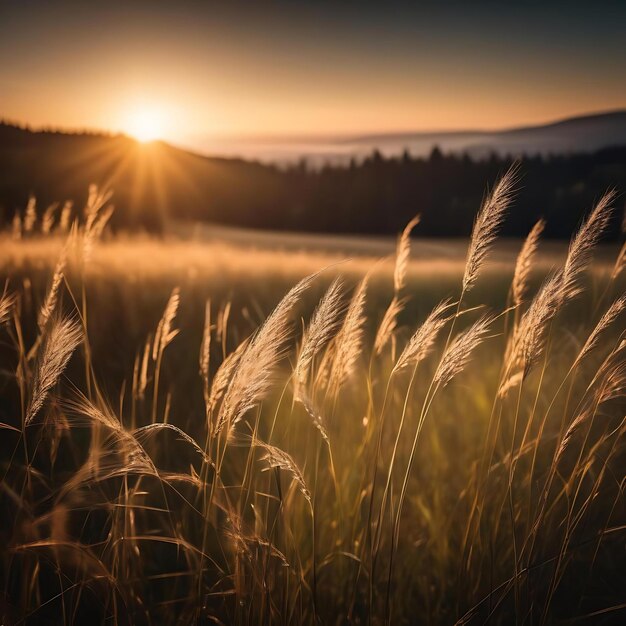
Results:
402 255
487 224
277 458
458 354
322 326
60 339
524 263
423 340
255 370
584 242
350 338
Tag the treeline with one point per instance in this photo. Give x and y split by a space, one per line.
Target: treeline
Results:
156 184
380 194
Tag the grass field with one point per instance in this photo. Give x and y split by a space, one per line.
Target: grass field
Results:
418 431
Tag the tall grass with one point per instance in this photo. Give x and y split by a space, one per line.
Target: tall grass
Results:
466 469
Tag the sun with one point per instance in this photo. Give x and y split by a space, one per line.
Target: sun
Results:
146 124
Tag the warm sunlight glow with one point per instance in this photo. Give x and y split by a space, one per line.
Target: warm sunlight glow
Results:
146 124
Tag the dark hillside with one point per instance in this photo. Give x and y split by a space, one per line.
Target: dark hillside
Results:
157 182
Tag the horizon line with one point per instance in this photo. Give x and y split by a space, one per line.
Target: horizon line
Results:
315 137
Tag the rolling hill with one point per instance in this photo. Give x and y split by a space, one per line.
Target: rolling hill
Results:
573 135
155 184
150 181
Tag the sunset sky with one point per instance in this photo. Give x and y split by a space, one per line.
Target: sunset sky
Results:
187 70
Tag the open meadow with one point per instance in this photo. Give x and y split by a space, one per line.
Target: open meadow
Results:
225 427
312 313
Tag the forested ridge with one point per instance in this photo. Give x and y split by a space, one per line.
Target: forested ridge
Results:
156 183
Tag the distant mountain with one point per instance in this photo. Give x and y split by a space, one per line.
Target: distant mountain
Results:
573 135
157 184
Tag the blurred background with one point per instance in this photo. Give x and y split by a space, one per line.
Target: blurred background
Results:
316 117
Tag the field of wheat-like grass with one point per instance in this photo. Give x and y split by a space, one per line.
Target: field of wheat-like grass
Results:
391 443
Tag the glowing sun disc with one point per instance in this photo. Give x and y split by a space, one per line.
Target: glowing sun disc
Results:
145 125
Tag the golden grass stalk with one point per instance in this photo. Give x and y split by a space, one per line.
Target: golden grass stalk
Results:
248 544
315 415
16 226
611 314
403 253
7 301
528 340
523 266
66 215
224 373
83 411
50 302
322 326
143 431
105 461
30 215
610 382
421 343
576 424
205 346
143 377
487 224
612 376
101 221
96 199
61 338
165 333
584 242
51 299
510 383
277 458
389 323
47 221
163 337
254 373
456 358
349 340
93 225
221 330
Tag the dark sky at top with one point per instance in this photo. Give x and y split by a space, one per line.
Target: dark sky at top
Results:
309 67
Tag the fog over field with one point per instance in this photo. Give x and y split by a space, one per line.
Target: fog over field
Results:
580 134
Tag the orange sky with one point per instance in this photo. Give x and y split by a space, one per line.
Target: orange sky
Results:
296 70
